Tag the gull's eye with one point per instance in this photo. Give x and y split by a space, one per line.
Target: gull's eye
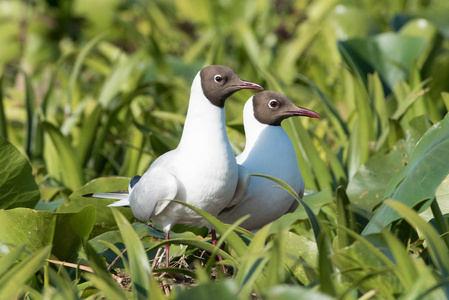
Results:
273 104
218 78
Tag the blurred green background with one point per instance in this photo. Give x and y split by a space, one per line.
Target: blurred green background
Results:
91 89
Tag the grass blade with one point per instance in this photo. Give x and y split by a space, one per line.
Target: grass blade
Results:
31 117
11 282
234 241
78 64
69 168
3 121
324 250
144 285
101 277
437 248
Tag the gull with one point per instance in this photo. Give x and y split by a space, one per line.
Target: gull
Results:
268 151
201 171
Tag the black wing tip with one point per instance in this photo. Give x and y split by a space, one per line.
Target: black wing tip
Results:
88 195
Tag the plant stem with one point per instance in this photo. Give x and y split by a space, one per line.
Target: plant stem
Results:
440 220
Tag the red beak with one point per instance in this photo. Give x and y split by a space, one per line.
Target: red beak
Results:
301 111
249 86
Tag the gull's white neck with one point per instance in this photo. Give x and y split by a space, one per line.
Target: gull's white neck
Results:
204 128
254 130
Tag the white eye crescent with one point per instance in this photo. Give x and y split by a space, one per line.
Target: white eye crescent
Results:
273 104
218 78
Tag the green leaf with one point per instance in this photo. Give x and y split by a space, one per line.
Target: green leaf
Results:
390 54
253 263
345 218
10 258
445 97
17 185
79 63
223 290
436 247
69 169
301 258
87 135
31 125
117 77
143 284
304 145
104 219
428 166
233 240
12 281
367 265
195 243
314 201
101 278
3 121
442 197
367 187
288 292
324 266
114 237
37 229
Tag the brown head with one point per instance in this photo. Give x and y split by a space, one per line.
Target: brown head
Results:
219 82
271 108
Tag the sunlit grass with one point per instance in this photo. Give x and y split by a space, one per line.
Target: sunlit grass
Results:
89 99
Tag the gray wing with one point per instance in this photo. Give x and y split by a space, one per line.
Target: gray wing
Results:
242 185
156 184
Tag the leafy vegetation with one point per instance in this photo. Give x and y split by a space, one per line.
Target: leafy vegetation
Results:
89 99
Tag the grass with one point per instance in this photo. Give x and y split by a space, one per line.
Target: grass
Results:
88 101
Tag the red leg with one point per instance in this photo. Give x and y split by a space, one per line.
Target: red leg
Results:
214 242
167 247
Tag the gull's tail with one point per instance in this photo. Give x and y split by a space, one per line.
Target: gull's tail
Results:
122 196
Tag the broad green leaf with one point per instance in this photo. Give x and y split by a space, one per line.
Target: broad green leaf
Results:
367 264
104 218
390 54
301 258
351 21
367 187
37 229
17 185
442 197
428 166
426 30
